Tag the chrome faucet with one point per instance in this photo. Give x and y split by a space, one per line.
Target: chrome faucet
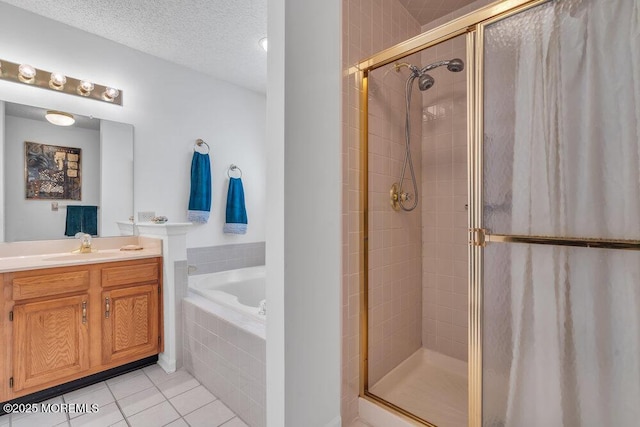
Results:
85 242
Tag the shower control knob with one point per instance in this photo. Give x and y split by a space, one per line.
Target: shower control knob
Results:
405 197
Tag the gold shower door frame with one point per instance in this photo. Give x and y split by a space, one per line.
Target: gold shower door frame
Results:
472 25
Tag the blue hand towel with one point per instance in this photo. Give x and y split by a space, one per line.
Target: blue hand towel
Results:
200 195
236 222
90 220
81 219
74 220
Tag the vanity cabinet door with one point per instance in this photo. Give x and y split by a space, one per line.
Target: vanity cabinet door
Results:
50 341
130 323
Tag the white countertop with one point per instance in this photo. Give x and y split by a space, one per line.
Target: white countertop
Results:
45 254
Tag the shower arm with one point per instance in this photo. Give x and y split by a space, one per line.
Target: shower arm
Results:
399 66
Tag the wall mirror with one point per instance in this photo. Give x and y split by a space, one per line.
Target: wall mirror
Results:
89 163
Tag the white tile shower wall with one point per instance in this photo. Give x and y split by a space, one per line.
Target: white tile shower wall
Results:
444 196
368 26
212 259
228 361
395 261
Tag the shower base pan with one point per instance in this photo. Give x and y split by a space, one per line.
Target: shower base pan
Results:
430 385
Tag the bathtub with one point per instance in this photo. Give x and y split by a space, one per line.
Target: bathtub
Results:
241 290
224 343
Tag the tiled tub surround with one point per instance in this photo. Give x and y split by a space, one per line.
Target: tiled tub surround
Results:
225 351
223 348
212 259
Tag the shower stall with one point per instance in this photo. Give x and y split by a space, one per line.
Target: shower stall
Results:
500 200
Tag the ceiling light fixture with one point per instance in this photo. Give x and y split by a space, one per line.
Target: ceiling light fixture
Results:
110 94
59 118
85 88
57 81
26 73
60 82
263 43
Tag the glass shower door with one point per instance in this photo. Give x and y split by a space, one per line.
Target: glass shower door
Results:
560 159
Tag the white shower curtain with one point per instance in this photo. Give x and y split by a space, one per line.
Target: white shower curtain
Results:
576 172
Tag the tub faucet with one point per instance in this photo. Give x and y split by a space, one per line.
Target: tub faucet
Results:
85 242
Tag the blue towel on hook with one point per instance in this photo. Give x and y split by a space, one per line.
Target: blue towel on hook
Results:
200 195
236 222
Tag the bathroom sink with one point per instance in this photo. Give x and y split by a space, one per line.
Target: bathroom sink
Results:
79 256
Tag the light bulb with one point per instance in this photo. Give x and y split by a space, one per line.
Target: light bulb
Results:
110 94
263 43
57 81
85 88
26 73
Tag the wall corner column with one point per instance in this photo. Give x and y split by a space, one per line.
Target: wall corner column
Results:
174 249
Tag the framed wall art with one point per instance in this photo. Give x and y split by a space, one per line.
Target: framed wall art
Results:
52 172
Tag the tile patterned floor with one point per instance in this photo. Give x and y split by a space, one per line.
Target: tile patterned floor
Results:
147 397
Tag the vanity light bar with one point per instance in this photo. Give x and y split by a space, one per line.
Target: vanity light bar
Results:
31 76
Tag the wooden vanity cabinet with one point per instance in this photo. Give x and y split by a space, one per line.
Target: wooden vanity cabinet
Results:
70 322
50 341
130 326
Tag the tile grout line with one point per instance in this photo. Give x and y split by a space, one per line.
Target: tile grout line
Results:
117 402
216 398
171 403
124 417
64 400
166 398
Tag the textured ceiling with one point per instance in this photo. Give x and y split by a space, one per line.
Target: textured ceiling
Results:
425 11
216 37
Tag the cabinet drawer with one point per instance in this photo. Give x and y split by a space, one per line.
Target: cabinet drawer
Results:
129 274
50 284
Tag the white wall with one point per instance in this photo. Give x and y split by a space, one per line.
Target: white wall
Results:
304 240
169 106
34 219
2 109
116 175
275 215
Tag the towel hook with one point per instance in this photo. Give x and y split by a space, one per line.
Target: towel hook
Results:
234 168
200 143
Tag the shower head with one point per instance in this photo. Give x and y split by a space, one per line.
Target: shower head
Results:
425 81
455 65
